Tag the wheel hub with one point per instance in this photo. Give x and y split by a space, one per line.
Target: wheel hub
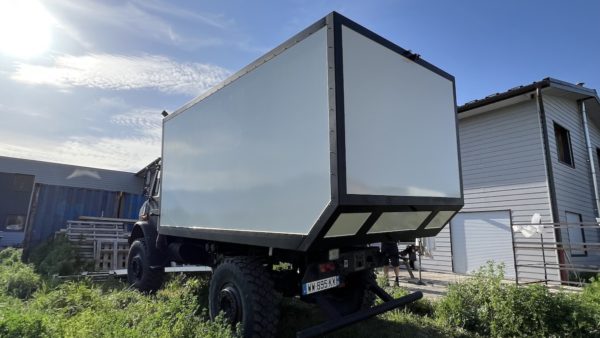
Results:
230 303
136 267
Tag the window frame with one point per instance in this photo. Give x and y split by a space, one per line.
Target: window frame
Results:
5 223
559 127
597 159
583 241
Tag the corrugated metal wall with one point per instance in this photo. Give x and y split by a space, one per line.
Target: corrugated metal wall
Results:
52 206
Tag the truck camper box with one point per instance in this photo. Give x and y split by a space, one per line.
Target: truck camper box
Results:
337 136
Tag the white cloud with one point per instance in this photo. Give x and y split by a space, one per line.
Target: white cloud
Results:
215 20
127 154
124 15
143 122
130 140
138 20
119 72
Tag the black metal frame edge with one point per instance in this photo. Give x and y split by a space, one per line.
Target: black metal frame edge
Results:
342 20
262 239
585 250
363 237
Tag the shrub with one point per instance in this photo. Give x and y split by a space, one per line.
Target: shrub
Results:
422 307
10 256
590 299
468 304
20 282
591 292
16 278
487 306
57 256
85 309
18 322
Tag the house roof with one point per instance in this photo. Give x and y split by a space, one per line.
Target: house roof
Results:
522 93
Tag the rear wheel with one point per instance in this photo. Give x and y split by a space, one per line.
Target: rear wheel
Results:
140 274
242 289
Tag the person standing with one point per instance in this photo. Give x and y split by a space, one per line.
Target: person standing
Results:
391 254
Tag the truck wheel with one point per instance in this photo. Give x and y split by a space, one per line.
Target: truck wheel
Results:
139 273
242 289
355 295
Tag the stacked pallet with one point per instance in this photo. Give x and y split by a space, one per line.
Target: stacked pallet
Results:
104 243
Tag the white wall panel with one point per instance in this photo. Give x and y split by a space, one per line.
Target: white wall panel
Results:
399 124
254 155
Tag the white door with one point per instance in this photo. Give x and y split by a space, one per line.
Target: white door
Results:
479 237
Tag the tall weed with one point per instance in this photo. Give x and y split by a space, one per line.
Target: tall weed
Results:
487 306
57 256
16 278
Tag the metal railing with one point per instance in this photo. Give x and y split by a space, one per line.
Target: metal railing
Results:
551 256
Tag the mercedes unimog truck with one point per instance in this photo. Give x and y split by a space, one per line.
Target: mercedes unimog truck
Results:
283 176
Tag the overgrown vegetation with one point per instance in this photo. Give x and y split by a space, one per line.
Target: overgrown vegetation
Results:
16 279
481 306
486 306
57 256
31 308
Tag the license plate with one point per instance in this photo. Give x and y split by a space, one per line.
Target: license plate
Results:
320 285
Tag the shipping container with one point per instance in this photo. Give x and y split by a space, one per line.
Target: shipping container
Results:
52 206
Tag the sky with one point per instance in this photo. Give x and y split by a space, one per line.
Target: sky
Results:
83 82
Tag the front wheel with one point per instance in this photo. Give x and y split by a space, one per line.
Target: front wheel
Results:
241 288
139 272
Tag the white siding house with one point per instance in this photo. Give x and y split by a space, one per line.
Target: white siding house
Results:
511 170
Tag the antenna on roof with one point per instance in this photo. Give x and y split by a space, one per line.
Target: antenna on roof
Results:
164 113
580 84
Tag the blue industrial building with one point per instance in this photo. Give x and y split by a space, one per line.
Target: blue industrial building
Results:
37 198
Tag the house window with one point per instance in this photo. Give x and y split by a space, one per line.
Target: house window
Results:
14 223
576 235
563 145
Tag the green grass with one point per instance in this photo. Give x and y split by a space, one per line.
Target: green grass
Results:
297 315
31 306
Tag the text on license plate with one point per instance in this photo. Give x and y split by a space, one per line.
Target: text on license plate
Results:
321 284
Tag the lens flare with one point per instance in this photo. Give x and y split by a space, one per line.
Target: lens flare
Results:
25 28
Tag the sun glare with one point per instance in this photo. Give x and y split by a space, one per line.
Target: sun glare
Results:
25 28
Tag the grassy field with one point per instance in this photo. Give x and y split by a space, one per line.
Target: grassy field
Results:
31 305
